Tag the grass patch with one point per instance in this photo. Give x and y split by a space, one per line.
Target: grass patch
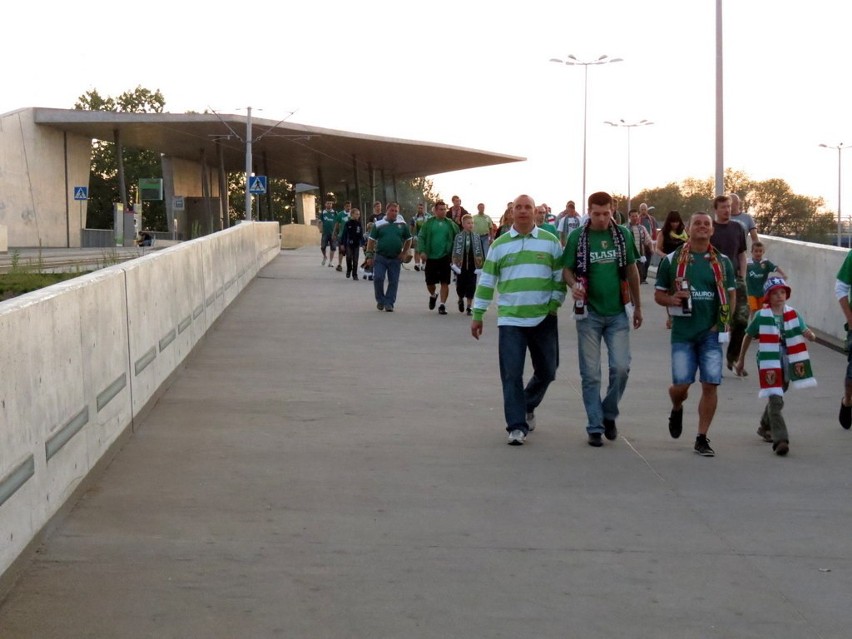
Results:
18 283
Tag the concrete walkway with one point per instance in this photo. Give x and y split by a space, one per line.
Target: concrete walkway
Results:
321 469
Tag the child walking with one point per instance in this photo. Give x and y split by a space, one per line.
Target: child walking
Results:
782 358
467 259
351 237
757 270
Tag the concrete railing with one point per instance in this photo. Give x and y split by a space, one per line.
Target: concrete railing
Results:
84 359
811 272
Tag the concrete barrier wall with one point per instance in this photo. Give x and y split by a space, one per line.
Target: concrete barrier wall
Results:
811 270
82 359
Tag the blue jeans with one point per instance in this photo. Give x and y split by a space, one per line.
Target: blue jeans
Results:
615 331
389 266
543 344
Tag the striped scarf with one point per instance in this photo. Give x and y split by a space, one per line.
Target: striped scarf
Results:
584 258
771 360
461 244
684 259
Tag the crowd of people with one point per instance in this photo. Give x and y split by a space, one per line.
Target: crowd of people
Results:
718 300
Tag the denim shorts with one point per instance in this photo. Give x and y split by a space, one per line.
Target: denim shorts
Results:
703 355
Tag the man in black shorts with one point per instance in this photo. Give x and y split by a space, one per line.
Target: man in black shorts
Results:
435 244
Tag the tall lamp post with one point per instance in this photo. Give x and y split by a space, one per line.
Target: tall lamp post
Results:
840 149
628 126
572 61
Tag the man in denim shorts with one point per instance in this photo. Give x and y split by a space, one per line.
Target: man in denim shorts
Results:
697 286
843 292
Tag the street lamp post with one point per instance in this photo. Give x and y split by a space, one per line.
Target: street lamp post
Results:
840 149
628 126
571 60
248 165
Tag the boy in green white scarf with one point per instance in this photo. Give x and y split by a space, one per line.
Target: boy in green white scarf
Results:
782 358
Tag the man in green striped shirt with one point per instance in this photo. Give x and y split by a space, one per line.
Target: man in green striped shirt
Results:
524 267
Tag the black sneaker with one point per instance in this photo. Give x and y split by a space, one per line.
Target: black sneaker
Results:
764 434
781 448
461 305
433 299
676 423
380 306
388 309
702 447
610 429
845 416
595 440
416 267
469 312
339 268
442 310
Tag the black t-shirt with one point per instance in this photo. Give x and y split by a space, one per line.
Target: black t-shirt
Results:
730 239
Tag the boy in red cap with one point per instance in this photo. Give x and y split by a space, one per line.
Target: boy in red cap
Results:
782 358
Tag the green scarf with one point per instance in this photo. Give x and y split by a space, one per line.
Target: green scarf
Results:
770 358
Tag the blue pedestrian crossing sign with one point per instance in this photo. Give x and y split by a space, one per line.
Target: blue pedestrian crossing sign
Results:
257 184
81 192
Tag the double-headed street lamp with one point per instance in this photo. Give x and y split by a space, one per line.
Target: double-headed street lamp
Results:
628 126
840 149
571 60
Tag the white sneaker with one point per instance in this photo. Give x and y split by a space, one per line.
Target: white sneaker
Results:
531 421
516 437
323 261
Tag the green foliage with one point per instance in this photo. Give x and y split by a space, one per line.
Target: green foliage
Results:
776 209
138 163
25 278
780 212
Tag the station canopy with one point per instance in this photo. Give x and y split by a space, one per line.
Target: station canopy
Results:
287 150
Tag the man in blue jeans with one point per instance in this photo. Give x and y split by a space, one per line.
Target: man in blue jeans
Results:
600 267
388 244
524 267
696 284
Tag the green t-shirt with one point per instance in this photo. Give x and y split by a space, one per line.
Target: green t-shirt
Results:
482 224
754 328
436 237
340 220
390 238
327 219
705 297
550 229
604 293
845 272
756 274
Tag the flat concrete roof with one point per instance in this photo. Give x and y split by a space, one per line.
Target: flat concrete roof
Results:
285 150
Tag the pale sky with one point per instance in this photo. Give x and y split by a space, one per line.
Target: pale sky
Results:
476 74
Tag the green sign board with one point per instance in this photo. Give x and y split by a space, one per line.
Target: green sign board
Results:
150 188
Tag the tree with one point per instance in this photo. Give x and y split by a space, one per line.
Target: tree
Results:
776 209
138 163
780 212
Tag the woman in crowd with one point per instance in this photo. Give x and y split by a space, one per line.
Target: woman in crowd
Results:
672 235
